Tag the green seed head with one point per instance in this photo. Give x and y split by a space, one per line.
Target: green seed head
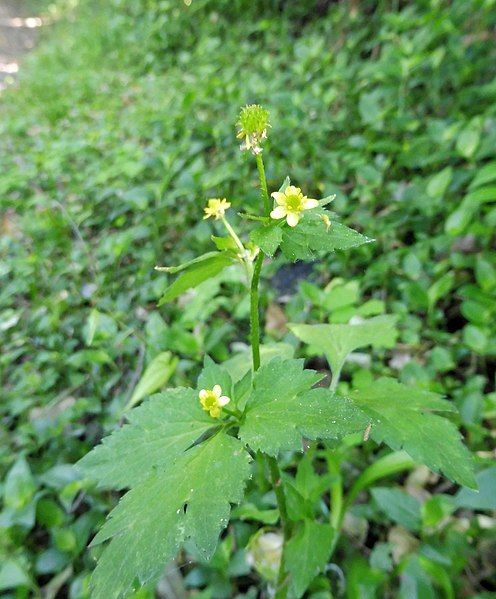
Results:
253 122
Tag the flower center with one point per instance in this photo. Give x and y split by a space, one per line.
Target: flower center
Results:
293 203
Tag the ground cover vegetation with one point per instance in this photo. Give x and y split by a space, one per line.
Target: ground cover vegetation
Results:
121 128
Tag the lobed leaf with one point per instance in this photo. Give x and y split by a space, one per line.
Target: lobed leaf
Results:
282 409
158 431
337 341
267 238
311 235
152 520
402 418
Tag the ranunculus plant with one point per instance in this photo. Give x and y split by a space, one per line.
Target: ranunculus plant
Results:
186 455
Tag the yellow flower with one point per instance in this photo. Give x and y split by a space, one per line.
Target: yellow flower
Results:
291 204
216 208
212 400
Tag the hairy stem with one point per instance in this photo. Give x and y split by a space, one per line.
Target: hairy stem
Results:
254 313
263 184
275 473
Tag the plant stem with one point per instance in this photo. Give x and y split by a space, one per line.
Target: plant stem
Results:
336 490
263 184
233 235
254 313
275 476
275 473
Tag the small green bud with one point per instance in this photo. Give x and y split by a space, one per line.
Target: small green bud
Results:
253 122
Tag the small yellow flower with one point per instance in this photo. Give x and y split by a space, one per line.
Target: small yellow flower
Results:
291 204
212 400
216 208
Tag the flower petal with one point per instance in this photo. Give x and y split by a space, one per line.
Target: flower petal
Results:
309 203
217 391
278 212
293 219
223 400
291 190
203 394
279 197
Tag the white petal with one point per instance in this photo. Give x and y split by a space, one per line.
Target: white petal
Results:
223 400
203 394
217 390
291 190
279 197
293 219
309 203
278 212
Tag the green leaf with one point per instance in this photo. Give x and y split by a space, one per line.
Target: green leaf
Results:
267 238
19 486
438 184
306 554
459 220
249 511
327 200
467 141
186 499
485 497
186 265
337 341
241 363
158 431
440 288
398 506
159 371
223 243
311 235
196 273
486 174
402 418
13 573
281 409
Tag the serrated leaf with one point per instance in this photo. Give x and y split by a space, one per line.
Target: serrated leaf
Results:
306 554
311 235
402 418
267 238
158 431
196 273
337 341
241 363
159 371
154 518
281 409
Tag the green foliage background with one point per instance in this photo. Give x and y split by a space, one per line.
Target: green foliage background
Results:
122 126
